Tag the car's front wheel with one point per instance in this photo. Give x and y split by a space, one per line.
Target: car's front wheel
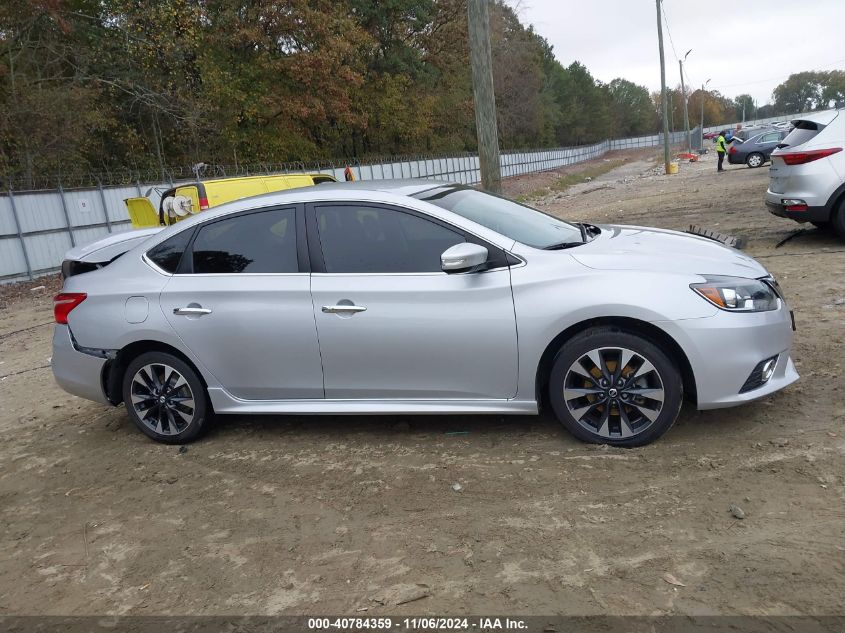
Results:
165 398
755 160
613 387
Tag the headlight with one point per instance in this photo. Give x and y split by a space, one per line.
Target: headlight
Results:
736 294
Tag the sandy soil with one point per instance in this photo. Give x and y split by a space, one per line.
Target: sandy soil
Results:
333 515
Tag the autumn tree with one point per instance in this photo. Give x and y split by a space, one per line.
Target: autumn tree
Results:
632 110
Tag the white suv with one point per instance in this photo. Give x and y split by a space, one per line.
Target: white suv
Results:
808 172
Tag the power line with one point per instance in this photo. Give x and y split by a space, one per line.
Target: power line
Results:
778 78
669 31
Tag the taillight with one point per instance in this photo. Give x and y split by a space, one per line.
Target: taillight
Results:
793 204
801 158
64 302
203 204
732 150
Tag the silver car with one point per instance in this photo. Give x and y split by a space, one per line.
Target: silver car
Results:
416 297
807 176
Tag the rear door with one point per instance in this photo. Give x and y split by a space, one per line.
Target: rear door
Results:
391 324
241 302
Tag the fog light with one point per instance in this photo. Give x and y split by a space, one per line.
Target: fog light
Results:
761 374
769 368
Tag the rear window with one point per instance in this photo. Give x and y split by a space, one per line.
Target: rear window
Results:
803 132
168 254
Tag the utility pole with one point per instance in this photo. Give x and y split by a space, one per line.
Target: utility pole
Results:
481 57
671 96
684 95
701 129
663 90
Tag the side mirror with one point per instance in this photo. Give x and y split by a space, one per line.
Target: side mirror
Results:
463 257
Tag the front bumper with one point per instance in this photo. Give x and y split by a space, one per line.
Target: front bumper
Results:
724 349
76 372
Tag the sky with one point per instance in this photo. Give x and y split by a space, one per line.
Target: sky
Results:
746 46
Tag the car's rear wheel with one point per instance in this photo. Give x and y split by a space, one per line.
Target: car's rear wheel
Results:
755 160
613 387
165 398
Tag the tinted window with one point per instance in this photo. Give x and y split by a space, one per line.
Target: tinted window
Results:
801 133
168 254
508 218
362 239
263 242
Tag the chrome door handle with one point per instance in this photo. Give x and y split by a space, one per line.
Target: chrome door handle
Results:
191 311
343 309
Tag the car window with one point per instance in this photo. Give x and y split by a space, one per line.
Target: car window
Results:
801 133
369 239
263 242
168 254
772 137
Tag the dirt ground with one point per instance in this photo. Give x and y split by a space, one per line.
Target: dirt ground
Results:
317 515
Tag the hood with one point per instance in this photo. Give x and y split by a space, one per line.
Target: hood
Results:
639 248
108 248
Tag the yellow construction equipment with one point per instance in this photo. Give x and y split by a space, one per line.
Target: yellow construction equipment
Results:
186 199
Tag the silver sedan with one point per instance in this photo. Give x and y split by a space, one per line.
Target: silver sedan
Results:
415 297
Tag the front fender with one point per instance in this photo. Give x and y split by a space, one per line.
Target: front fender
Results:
547 305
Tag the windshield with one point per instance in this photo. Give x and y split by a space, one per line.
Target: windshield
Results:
511 219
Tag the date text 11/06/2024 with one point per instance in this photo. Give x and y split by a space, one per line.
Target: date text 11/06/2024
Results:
481 624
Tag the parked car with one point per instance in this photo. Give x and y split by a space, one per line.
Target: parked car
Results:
419 297
783 125
756 150
186 199
807 176
711 135
745 133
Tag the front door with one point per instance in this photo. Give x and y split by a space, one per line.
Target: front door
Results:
243 306
393 325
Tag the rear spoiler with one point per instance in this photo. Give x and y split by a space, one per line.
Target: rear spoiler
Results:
83 259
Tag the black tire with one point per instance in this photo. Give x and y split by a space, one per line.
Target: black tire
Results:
756 158
640 401
185 413
837 219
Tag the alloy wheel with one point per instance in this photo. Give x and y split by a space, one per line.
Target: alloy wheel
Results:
162 399
613 392
755 160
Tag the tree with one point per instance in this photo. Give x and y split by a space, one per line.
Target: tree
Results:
517 79
833 92
633 111
714 111
801 92
745 108
97 85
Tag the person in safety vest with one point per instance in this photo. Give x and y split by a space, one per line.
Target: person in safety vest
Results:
721 149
